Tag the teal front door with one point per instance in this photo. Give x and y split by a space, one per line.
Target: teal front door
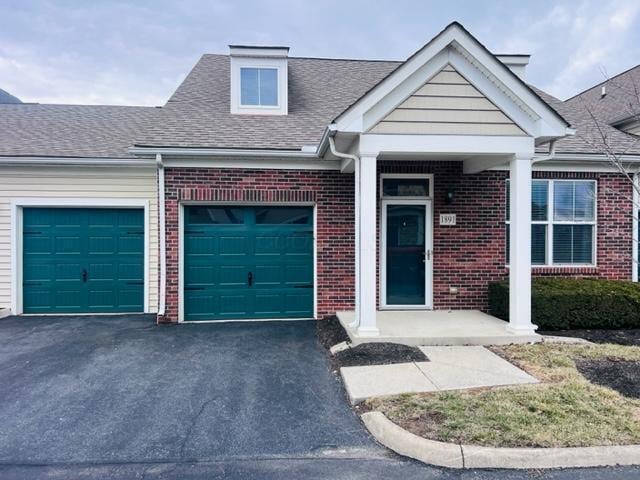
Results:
406 254
248 262
82 260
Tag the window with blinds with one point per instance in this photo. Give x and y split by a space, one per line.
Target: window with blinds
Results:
563 222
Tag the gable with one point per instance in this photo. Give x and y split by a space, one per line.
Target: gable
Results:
447 104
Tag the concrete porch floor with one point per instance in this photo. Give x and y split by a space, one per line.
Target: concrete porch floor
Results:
437 327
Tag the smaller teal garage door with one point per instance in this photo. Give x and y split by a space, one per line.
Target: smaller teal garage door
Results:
248 262
83 260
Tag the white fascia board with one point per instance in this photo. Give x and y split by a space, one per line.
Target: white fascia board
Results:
353 119
457 144
77 161
251 162
353 116
513 83
525 118
404 90
221 152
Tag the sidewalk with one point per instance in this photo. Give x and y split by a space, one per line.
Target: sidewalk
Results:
449 368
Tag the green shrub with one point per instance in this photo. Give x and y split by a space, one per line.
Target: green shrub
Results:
567 303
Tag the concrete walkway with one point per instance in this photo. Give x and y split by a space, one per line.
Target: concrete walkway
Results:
449 368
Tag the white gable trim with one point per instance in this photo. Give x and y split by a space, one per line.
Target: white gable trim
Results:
424 64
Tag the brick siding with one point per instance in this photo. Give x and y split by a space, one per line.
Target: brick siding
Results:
467 256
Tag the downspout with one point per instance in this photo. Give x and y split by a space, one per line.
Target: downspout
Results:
356 164
551 155
163 240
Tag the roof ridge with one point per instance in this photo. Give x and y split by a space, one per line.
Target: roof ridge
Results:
602 83
333 59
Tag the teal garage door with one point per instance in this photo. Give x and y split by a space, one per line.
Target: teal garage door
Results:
83 260
248 262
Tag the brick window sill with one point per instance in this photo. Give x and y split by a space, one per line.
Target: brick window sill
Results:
565 270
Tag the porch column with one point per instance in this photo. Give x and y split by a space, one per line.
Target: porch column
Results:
366 232
520 245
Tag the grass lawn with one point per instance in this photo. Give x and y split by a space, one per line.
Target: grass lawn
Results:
565 410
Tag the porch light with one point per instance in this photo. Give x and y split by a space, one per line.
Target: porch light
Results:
448 199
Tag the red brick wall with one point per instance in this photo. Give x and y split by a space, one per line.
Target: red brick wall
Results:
470 254
467 256
332 191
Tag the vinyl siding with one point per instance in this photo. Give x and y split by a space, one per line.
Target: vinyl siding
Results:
76 182
447 105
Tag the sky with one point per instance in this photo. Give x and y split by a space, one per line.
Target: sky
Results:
137 52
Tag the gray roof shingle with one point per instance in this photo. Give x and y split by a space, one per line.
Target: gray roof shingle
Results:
198 113
589 134
71 130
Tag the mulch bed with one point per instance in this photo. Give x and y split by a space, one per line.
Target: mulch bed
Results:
330 333
620 375
379 354
621 337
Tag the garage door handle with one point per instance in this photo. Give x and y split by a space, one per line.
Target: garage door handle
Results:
194 288
250 278
84 275
303 286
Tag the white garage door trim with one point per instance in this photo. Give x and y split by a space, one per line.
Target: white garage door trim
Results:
243 204
16 238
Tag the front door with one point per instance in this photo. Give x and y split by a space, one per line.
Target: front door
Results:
406 254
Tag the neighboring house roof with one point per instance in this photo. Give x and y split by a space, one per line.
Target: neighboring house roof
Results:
593 115
71 130
6 97
588 137
198 113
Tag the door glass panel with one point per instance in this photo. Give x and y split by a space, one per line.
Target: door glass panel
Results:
405 255
283 215
215 215
405 187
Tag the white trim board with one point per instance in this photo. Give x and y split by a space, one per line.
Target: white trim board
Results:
18 204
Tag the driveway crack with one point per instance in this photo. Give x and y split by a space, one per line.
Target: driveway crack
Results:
192 425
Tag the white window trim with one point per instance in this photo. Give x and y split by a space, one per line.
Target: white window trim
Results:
550 222
279 64
17 206
258 105
384 176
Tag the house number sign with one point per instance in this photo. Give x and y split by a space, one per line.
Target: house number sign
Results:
447 219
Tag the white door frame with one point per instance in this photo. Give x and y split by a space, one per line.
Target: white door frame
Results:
17 206
428 260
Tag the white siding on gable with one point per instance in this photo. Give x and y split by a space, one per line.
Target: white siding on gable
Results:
76 182
447 105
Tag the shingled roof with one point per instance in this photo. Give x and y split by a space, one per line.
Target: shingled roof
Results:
198 113
71 130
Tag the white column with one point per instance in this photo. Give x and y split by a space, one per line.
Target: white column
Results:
367 233
520 246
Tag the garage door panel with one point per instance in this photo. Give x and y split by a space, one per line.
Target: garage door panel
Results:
271 245
298 275
232 275
61 243
233 245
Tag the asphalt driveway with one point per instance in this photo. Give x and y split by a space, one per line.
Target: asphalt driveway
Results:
121 389
117 397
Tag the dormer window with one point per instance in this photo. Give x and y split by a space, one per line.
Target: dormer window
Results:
259 87
259 80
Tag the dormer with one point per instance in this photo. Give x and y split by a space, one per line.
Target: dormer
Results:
259 80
